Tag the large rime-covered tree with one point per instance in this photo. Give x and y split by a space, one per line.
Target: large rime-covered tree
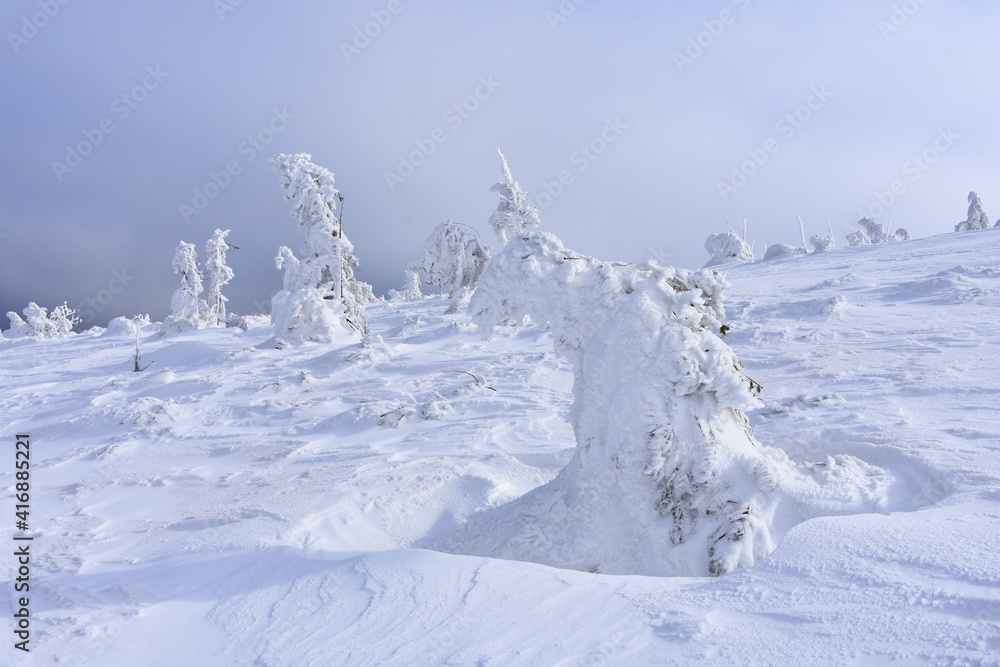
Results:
666 478
323 274
453 259
515 213
219 274
976 218
187 307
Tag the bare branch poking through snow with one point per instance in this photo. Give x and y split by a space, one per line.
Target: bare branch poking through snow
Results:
478 381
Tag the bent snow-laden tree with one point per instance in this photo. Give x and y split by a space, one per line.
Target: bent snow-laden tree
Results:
976 218
219 274
321 294
666 478
453 259
187 307
514 214
727 247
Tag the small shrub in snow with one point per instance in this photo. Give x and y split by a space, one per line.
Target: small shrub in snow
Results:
126 326
727 247
780 250
373 351
976 218
666 477
39 323
187 307
324 275
63 319
307 315
873 233
822 243
514 213
237 322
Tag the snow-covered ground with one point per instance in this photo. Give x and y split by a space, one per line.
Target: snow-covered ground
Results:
236 504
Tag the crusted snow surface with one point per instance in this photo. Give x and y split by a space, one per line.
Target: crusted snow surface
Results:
237 504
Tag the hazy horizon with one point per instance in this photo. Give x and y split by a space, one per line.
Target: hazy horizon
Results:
639 128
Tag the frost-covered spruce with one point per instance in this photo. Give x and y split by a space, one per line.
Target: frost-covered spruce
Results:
725 248
219 274
976 218
324 272
666 478
515 213
187 307
453 259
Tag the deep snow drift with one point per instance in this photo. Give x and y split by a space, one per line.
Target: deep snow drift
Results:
237 504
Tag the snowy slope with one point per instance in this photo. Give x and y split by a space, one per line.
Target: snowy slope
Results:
242 505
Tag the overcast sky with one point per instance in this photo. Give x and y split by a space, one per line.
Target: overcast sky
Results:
664 119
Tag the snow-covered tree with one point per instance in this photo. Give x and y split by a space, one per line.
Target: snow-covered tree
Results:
976 218
37 319
411 288
325 270
822 243
219 274
18 327
453 259
39 323
873 233
666 478
727 247
515 213
187 307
